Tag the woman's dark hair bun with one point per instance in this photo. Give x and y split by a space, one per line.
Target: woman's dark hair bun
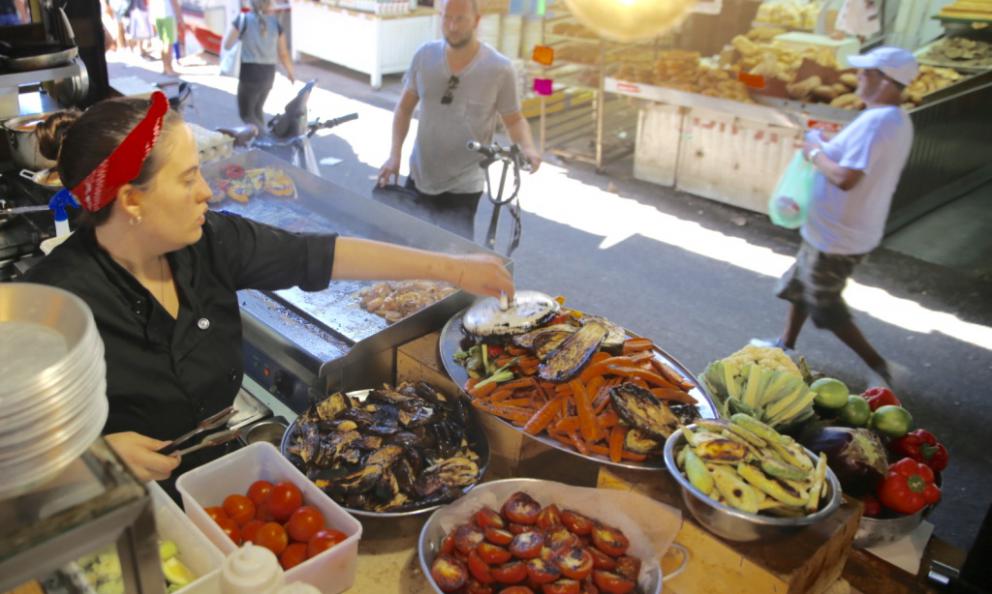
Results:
51 132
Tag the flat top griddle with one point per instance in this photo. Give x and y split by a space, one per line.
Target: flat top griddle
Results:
329 324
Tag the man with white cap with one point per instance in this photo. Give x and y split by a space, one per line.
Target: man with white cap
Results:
858 170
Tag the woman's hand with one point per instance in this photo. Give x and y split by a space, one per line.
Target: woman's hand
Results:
483 274
140 453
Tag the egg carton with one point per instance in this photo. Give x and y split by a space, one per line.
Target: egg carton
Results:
211 145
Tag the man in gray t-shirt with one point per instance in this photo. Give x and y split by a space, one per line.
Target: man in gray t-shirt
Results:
463 86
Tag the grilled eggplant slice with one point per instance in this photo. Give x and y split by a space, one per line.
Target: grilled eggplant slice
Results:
637 442
527 340
573 354
640 409
615 335
546 343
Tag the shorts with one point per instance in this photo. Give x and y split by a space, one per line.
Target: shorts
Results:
166 28
816 281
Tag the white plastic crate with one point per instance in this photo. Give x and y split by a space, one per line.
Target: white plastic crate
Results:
332 571
195 551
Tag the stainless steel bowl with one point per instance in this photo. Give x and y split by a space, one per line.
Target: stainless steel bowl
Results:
431 535
733 524
876 531
477 439
270 431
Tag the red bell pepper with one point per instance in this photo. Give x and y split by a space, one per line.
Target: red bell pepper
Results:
908 487
922 446
877 397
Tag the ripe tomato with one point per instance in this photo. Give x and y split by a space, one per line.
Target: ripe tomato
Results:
527 545
521 508
515 528
323 540
488 518
467 537
284 500
542 572
259 491
629 567
498 536
610 540
273 537
612 583
562 586
304 523
576 522
549 517
588 587
262 512
479 569
230 529
516 590
474 587
560 538
601 560
492 554
239 508
293 555
449 573
216 512
249 529
574 562
513 572
447 545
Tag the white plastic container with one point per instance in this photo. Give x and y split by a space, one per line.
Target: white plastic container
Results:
195 550
332 571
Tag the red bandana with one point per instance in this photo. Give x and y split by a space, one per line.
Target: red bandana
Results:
100 187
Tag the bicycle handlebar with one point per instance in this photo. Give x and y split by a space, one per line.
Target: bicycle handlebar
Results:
323 125
495 152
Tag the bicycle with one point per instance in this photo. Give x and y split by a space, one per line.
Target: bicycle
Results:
512 159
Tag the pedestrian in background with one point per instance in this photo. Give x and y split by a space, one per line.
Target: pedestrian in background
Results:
463 87
857 173
139 27
168 19
262 44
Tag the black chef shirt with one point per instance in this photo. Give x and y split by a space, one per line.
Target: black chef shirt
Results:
164 374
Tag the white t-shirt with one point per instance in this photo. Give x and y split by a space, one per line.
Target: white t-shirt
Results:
161 9
853 222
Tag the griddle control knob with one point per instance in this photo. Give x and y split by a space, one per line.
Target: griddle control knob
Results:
283 383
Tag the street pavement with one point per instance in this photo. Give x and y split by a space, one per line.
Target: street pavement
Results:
695 275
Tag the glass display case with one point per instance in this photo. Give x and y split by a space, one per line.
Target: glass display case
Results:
93 503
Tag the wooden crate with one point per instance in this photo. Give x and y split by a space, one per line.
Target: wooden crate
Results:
808 562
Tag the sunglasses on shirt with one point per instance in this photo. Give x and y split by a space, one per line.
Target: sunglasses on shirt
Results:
448 96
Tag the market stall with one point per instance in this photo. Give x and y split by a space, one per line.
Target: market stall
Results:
725 126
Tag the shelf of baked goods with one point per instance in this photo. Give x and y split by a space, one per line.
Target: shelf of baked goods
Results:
961 53
967 11
793 15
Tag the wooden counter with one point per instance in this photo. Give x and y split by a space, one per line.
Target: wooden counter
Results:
812 561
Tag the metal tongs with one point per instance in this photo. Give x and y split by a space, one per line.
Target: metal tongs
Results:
210 423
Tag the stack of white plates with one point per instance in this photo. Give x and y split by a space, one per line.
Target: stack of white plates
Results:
53 388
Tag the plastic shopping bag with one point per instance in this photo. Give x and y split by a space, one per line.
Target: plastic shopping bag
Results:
230 59
789 205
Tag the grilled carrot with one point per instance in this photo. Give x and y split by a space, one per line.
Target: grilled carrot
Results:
617 435
543 417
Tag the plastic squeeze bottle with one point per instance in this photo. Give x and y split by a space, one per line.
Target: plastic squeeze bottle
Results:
251 570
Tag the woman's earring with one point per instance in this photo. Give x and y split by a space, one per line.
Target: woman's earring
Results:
134 220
